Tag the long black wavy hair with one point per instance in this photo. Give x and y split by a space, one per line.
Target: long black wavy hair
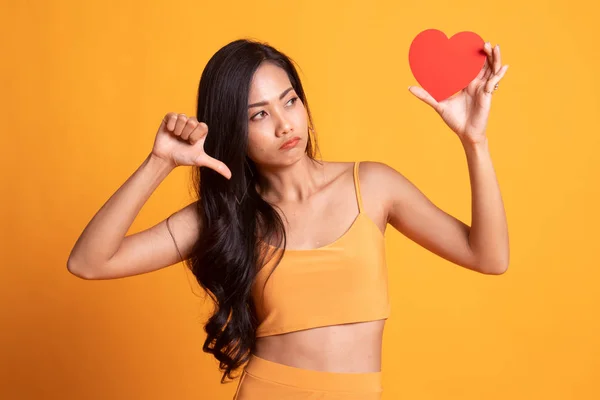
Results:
237 221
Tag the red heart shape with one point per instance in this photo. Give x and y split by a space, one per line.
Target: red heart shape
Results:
445 66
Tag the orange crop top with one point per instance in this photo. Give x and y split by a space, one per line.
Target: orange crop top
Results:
342 282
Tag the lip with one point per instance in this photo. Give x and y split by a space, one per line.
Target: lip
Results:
290 143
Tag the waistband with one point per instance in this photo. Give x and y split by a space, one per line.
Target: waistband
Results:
369 382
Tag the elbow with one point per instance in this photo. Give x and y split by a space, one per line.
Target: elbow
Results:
492 264
83 273
497 271
495 268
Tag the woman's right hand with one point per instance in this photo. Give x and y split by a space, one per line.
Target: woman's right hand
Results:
180 141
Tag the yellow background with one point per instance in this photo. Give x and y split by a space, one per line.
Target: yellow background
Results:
84 88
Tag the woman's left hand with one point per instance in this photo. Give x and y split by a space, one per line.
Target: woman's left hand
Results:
466 113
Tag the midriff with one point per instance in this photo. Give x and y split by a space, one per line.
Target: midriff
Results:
353 347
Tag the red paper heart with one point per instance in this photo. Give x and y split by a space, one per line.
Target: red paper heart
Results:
445 66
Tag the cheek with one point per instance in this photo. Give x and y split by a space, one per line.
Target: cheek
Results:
300 118
258 144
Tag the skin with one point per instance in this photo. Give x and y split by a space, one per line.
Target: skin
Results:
318 205
308 194
316 200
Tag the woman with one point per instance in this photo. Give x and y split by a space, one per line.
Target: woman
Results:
307 320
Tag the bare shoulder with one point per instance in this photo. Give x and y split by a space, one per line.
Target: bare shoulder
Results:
373 175
375 180
380 184
337 170
376 172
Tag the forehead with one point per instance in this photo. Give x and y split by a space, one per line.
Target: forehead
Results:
268 82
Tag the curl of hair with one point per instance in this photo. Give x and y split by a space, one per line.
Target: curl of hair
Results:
237 221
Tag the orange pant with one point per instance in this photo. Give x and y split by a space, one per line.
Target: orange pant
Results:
263 379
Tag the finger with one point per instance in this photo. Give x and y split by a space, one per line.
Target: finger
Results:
487 48
422 94
497 59
180 124
215 165
198 133
489 86
484 72
191 124
487 66
170 118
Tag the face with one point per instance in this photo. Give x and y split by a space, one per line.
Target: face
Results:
275 115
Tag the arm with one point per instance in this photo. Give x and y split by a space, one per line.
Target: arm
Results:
103 252
488 236
482 247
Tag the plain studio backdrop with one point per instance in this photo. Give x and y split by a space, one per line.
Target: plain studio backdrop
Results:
86 84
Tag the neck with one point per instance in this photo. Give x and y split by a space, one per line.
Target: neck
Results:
292 183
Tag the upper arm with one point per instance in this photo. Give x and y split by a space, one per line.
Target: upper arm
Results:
154 248
411 213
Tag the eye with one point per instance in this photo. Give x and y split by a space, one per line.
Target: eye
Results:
257 114
294 99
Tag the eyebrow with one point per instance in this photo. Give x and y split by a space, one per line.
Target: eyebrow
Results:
264 103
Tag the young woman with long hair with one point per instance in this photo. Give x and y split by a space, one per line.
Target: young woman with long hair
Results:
291 248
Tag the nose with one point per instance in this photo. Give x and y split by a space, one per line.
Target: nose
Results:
284 126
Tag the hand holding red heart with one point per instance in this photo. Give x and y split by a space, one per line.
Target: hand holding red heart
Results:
467 111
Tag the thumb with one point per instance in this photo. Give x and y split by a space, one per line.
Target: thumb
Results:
214 164
423 95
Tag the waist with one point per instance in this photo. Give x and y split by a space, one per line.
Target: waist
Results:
352 348
366 385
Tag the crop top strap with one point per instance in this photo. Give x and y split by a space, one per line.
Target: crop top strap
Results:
357 187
